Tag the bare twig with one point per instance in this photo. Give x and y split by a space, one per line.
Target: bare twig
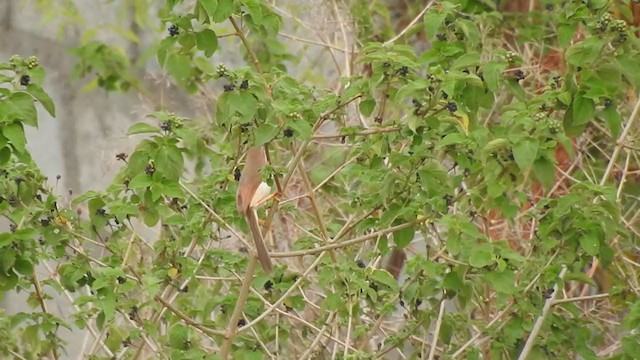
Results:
545 313
232 326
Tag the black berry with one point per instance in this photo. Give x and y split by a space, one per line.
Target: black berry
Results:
121 279
268 285
608 103
236 175
121 156
441 37
165 126
242 322
228 87
452 107
244 85
403 71
287 132
519 75
361 264
24 80
174 30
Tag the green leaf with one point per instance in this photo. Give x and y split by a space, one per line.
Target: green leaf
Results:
44 99
20 106
109 305
565 97
525 153
15 134
178 335
451 139
502 282
581 277
209 6
367 106
169 162
585 52
597 4
403 237
150 216
23 266
583 109
224 9
7 259
590 244
545 172
466 60
565 34
432 21
244 103
5 155
265 133
613 120
207 41
493 74
302 128
179 66
481 255
142 128
333 302
140 181
470 30
384 277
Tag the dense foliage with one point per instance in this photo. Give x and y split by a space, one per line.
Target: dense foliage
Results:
495 148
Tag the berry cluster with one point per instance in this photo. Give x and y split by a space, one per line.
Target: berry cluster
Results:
32 62
511 56
620 27
603 22
554 126
222 71
419 108
556 82
539 116
174 122
403 71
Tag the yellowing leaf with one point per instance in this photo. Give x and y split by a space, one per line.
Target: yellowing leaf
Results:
172 273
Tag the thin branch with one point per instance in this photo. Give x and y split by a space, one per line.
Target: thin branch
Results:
368 132
346 243
187 320
620 142
43 306
245 42
436 332
580 298
540 321
232 327
413 22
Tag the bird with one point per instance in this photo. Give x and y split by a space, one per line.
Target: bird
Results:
252 192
